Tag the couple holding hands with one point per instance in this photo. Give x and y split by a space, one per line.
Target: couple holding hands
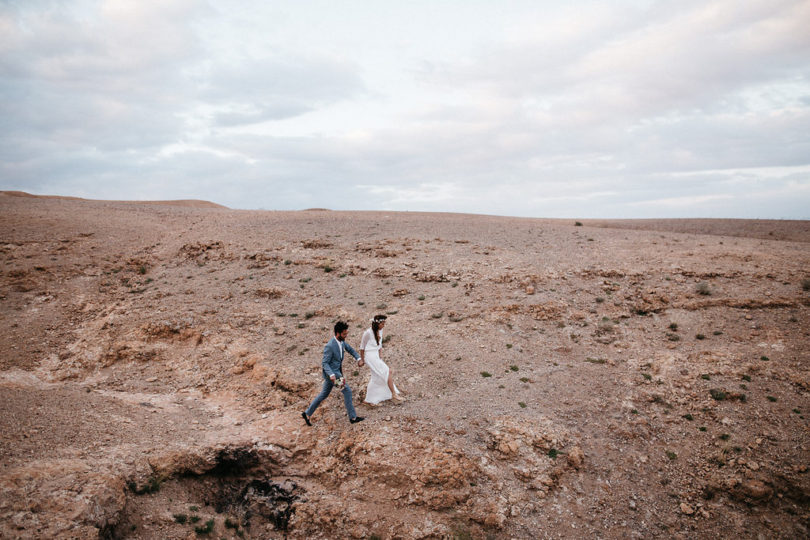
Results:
381 386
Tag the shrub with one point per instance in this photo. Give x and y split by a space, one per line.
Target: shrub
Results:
706 377
524 379
421 297
771 398
553 453
746 378
765 358
514 368
486 374
577 224
672 455
180 518
703 288
700 336
205 529
725 436
806 284
717 395
673 326
689 417
522 405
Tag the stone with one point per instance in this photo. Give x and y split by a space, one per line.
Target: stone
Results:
686 509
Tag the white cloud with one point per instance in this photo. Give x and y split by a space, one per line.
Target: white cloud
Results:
609 110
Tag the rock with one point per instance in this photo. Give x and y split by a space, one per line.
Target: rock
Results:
576 457
753 465
757 489
686 509
530 289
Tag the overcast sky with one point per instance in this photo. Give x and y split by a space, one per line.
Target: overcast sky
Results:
614 109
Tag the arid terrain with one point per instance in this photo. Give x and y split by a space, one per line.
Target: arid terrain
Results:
602 379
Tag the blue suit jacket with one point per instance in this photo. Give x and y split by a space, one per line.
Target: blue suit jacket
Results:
332 362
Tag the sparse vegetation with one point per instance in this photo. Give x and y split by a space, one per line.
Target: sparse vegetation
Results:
703 288
673 327
647 376
205 529
673 337
764 358
553 453
700 336
524 379
513 368
806 284
577 224
706 377
486 374
522 405
725 436
421 297
717 395
771 398
180 518
746 378
689 417
596 360
672 455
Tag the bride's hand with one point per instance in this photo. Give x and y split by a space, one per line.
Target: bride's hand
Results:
361 363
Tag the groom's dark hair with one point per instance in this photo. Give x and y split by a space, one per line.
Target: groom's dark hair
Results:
340 326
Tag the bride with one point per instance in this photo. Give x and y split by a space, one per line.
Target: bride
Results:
381 386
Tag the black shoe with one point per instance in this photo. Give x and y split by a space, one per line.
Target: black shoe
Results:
306 418
356 419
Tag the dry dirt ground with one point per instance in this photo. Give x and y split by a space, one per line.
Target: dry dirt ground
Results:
643 379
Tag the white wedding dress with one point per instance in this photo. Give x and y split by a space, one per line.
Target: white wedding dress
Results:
377 389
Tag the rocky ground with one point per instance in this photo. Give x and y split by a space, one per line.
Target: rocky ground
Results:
597 379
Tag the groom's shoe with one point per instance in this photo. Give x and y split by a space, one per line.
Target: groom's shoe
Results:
306 418
356 419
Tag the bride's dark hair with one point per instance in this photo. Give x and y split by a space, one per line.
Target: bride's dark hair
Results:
375 326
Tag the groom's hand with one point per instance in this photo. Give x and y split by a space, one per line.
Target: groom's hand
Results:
332 378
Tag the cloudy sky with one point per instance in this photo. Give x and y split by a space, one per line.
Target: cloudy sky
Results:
615 109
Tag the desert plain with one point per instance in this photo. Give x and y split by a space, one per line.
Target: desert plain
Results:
564 378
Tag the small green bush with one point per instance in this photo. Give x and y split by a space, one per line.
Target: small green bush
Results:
180 518
672 455
703 288
689 417
771 399
522 405
717 395
486 374
205 529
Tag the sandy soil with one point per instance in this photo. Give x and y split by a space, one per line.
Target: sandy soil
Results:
642 379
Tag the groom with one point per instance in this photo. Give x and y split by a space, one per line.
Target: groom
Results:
332 370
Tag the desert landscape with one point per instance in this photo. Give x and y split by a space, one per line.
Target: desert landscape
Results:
564 379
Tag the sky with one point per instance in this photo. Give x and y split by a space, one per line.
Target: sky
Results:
590 109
